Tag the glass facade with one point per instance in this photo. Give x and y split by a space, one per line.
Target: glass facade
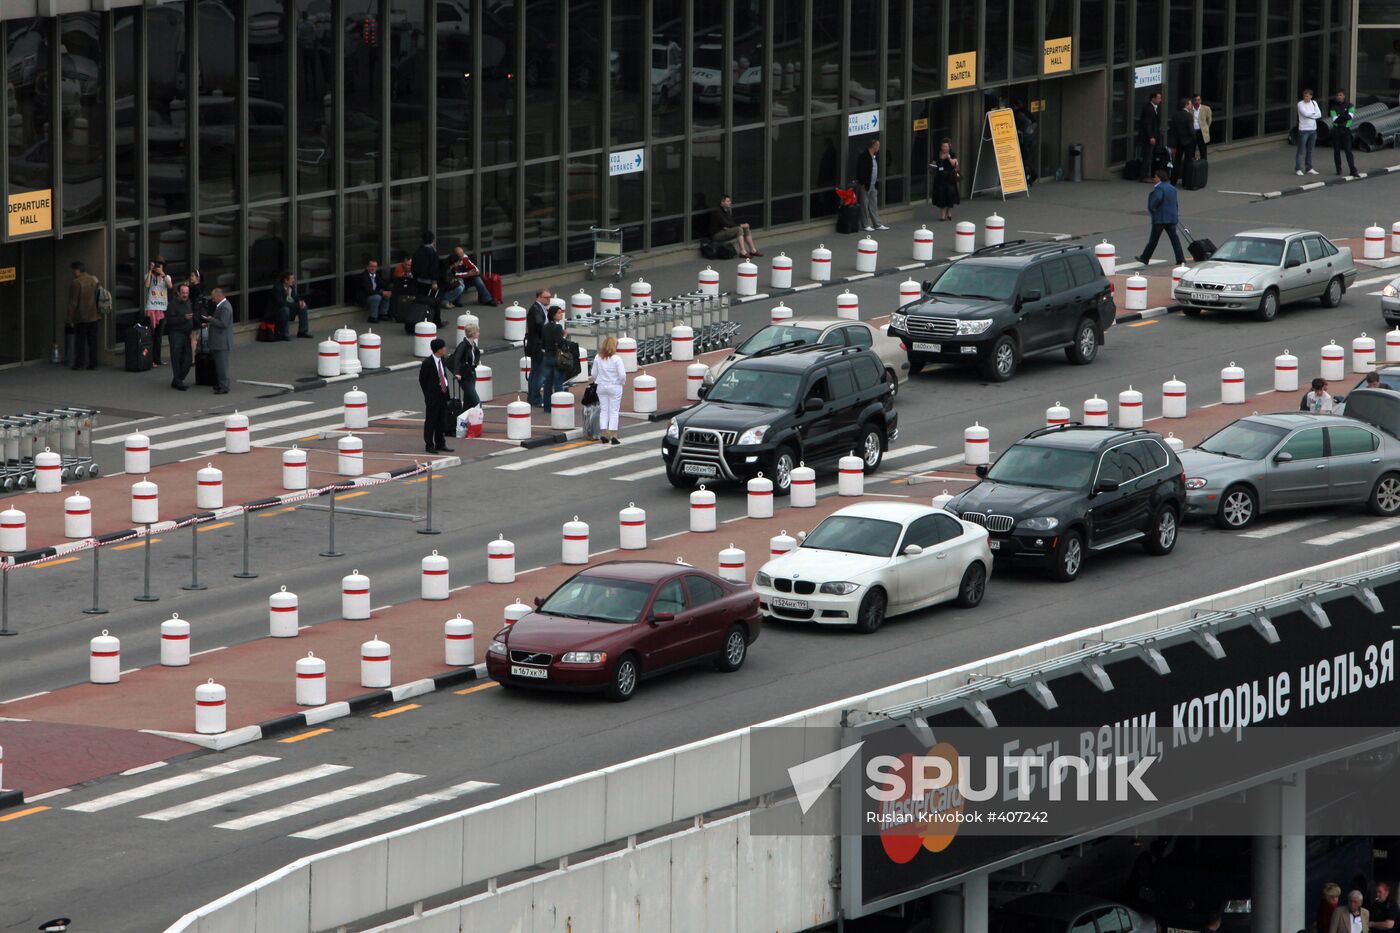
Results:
245 138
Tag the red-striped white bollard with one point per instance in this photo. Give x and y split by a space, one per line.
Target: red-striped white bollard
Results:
436 578
1363 354
1374 245
561 411
48 472
356 409
375 664
644 394
77 517
423 334
327 359
682 343
580 304
145 503
1392 345
977 445
1395 237
459 642
964 236
867 254
746 279
632 528
1285 372
350 459
708 282
105 659
574 542
779 314
802 493
138 454
994 230
1232 388
311 681
294 468
1107 257
1056 415
1333 362
14 531
1130 408
515 612
354 596
518 420
640 293
237 438
821 264
782 271
733 565
942 499
627 352
525 374
500 561
514 323
1174 442
850 476
485 385
923 244
283 614
780 544
1096 411
209 488
760 497
909 291
174 642
702 510
848 306
210 708
1173 398
1177 273
1136 299
695 375
370 350
345 339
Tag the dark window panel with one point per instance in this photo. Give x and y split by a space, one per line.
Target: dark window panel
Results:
787 152
1181 26
749 90
1247 21
455 82
1181 81
928 61
362 229
1026 49
1338 63
408 216
128 168
269 252
894 49
1310 67
542 214
666 170
668 80
408 88
543 58
1378 63
826 55
1246 85
626 200
84 118
786 210
1378 12
1059 18
219 87
1215 85
826 165
28 86
1244 126
584 188
167 125
220 238
709 71
863 87
126 266
1214 26
365 133
1311 15
627 71
1278 75
893 165
706 181
1149 29
994 54
499 84
498 217
1280 18
588 74
316 259
315 91
170 239
454 213
962 26
267 129
1120 122
748 170
1090 40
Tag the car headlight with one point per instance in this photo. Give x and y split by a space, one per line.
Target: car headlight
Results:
496 647
673 430
1240 287
583 657
969 328
1043 523
839 589
1196 482
1390 291
762 579
899 321
753 435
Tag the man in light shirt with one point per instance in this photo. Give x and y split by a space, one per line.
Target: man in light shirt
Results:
1309 112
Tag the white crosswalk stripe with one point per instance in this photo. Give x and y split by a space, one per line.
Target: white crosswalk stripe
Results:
609 462
641 474
310 427
389 811
1283 528
1357 531
306 419
197 423
307 804
171 783
237 794
578 452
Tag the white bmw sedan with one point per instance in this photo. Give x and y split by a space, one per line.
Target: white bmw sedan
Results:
876 559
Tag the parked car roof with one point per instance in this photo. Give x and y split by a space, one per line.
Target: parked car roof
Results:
1275 233
642 571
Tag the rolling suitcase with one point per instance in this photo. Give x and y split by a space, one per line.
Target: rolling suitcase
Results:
138 348
492 280
848 218
204 372
1200 250
1194 174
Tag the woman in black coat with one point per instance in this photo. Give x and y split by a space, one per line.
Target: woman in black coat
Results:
945 180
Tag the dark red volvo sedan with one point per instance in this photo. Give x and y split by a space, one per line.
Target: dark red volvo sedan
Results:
608 627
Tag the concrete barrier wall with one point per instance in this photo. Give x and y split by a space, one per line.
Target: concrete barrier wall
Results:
397 869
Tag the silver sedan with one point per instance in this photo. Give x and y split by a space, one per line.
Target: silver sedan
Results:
1390 302
1285 460
1261 270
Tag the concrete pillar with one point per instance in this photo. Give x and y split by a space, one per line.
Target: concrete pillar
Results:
1279 855
963 910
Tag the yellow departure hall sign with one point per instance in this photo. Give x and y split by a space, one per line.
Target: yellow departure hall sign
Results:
1059 55
30 212
962 70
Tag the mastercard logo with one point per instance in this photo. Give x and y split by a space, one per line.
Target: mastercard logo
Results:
926 823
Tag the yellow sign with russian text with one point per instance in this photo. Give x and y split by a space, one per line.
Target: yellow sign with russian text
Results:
1006 145
921 124
1059 55
7 274
962 70
30 212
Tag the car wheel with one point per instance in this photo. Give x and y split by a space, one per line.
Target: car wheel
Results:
735 650
872 448
1161 536
1268 306
871 614
973 586
624 679
915 366
1000 362
784 461
1069 558
1191 312
1086 344
1238 508
679 480
1333 295
1385 497
892 378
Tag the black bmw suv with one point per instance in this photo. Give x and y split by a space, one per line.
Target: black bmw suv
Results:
1060 493
1003 303
767 414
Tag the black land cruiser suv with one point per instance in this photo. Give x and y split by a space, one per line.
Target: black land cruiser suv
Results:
767 414
1003 303
1061 492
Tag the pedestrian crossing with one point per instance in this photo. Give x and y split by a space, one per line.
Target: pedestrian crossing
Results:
259 797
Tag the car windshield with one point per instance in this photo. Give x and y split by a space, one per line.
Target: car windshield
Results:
603 599
774 334
1249 249
1244 440
1046 467
870 536
969 280
740 386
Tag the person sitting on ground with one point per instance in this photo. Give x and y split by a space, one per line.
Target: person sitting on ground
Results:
464 273
374 291
724 226
284 305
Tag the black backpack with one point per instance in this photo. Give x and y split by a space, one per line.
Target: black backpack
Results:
712 250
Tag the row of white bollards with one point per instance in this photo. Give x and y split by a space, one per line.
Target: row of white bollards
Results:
347 354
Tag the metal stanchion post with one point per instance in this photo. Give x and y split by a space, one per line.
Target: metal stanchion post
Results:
95 609
5 601
146 596
428 528
194 583
246 573
330 550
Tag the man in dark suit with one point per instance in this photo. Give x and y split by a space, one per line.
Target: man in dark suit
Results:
374 291
426 265
535 319
1161 205
1181 134
432 379
1149 132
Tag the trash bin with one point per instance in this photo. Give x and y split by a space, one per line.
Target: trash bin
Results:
1076 162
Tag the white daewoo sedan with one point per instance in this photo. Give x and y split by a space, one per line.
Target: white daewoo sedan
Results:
867 561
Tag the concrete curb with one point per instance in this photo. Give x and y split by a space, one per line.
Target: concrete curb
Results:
779 293
1316 185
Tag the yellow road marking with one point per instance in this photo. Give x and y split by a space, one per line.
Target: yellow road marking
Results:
396 710
574 444
215 526
127 547
305 735
479 687
1144 323
311 437
351 495
290 508
19 813
55 563
421 479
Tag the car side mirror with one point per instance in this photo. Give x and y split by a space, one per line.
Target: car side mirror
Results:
815 403
983 469
703 391
925 287
659 617
912 550
1283 456
1107 485
1030 294
539 601
1293 263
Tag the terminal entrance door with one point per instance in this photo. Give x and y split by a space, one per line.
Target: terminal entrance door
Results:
34 277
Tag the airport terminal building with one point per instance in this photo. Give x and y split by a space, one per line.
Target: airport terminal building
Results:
243 138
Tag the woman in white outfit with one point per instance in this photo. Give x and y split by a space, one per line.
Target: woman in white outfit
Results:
609 376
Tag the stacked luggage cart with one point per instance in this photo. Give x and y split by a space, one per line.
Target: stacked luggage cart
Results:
68 431
650 325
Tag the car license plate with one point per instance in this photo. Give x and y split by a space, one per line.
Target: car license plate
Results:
928 347
780 603
993 544
700 469
1204 296
534 673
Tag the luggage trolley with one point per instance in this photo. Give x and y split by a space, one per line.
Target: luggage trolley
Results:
607 251
77 427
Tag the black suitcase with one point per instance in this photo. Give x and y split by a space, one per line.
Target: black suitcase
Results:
204 372
1200 250
848 218
412 313
1194 174
138 348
